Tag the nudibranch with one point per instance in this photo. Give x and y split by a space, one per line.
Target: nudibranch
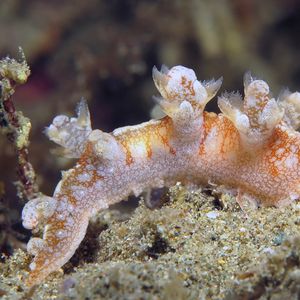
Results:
252 148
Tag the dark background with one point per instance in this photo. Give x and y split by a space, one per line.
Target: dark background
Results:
105 50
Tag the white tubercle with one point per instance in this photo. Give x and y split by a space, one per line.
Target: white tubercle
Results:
105 145
290 103
36 210
35 245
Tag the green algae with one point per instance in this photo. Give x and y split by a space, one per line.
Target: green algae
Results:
197 246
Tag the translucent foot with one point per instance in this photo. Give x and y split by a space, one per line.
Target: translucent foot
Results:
246 202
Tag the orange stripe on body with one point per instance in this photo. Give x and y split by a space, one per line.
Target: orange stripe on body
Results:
129 158
166 123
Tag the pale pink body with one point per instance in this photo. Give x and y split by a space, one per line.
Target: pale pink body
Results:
251 149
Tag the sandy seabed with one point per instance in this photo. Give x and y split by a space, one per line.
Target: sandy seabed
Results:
196 246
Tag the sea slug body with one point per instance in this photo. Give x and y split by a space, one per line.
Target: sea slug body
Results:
252 148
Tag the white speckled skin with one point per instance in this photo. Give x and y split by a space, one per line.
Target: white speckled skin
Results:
252 148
